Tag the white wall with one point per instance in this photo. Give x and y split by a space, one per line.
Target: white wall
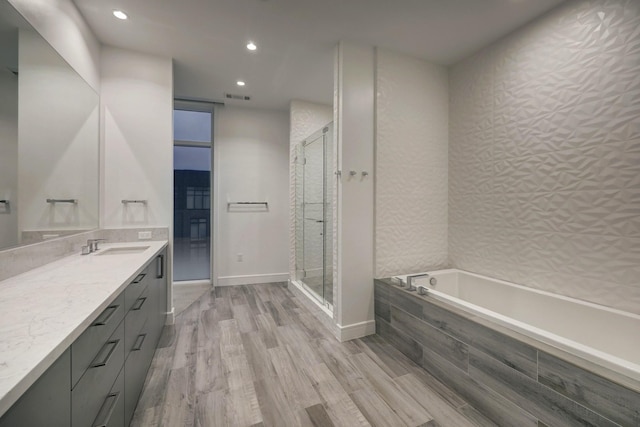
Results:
545 155
8 157
58 150
62 25
305 118
402 103
251 164
353 307
137 142
137 133
412 124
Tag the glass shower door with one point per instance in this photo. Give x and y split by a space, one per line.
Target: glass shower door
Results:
314 216
299 212
329 179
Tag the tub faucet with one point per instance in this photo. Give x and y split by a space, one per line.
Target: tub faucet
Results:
411 278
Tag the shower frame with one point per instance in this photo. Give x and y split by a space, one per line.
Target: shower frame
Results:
306 224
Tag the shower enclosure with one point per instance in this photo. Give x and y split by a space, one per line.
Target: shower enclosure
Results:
313 216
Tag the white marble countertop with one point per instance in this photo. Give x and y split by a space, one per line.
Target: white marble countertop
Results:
44 310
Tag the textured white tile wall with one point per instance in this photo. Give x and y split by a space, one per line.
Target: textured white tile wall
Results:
544 157
411 165
305 119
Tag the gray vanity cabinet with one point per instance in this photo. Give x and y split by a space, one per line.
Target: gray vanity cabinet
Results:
137 317
135 368
112 411
94 388
136 287
86 347
161 290
144 327
143 318
47 401
98 380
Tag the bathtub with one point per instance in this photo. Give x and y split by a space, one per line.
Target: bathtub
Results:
605 336
517 354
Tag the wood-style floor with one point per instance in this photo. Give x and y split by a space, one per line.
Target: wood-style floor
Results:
185 294
255 356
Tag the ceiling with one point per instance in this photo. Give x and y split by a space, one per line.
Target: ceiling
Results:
296 38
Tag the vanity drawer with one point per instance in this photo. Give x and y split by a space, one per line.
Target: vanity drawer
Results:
87 346
89 394
135 288
111 413
135 368
136 318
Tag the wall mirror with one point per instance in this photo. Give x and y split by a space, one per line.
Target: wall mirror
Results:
49 139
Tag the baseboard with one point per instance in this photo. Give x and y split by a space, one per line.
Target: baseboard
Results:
171 317
356 330
252 279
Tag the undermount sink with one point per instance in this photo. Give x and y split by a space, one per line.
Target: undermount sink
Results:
123 250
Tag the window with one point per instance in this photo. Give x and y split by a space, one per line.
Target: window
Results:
192 195
199 229
198 198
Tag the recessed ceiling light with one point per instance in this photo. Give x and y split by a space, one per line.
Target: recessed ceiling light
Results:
240 83
251 46
120 14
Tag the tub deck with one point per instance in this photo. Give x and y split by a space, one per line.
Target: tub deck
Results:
511 378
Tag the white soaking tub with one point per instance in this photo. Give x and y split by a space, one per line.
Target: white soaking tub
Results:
599 334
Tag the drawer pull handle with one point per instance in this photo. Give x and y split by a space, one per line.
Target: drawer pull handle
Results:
139 341
98 361
106 411
139 278
139 303
160 270
106 316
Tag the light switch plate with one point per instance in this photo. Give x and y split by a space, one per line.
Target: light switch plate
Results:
144 235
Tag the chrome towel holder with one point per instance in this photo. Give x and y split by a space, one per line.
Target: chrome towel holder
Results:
265 204
54 201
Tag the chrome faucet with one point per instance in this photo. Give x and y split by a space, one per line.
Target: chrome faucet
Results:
411 278
97 242
422 290
92 244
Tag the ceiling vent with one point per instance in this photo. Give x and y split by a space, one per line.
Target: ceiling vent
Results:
239 97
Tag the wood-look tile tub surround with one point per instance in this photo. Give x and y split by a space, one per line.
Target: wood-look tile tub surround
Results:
513 379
